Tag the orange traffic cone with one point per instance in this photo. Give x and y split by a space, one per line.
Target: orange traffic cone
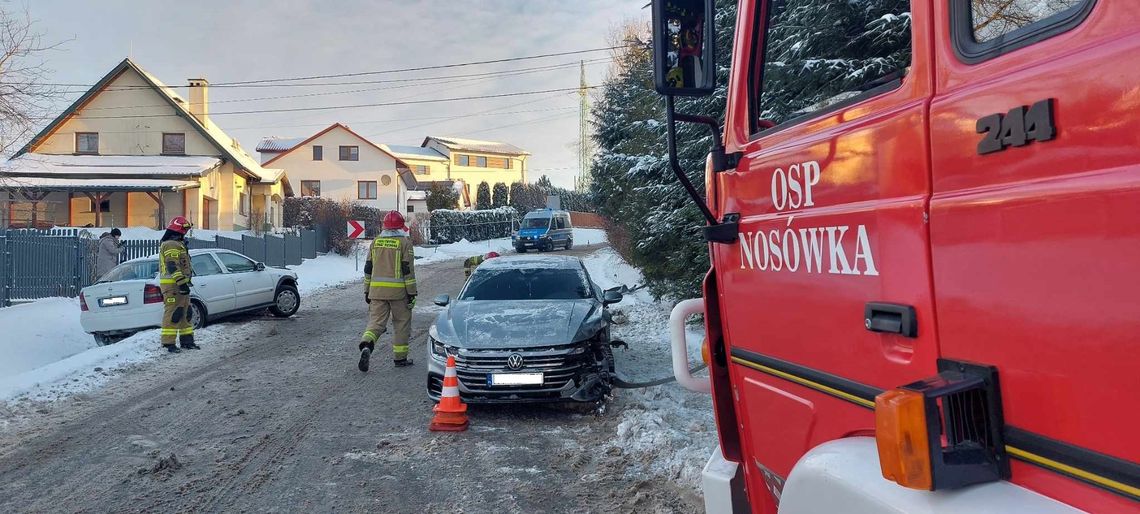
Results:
451 413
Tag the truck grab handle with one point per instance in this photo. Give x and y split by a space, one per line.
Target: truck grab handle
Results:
680 346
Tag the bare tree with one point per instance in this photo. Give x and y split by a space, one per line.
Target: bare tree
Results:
25 95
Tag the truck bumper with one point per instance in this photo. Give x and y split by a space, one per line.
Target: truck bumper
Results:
844 476
723 484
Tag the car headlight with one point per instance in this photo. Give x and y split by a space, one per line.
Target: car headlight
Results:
438 348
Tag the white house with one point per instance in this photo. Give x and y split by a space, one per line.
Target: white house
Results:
339 164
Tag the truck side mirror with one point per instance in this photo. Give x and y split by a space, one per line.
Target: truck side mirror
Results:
683 47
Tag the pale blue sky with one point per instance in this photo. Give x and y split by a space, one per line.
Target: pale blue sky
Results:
227 41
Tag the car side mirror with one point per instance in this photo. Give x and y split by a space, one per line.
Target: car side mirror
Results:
683 48
612 296
259 266
441 300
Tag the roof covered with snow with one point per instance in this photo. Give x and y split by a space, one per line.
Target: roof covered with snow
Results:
475 145
102 183
278 144
414 152
80 166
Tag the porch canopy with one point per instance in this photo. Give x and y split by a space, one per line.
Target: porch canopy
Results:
33 176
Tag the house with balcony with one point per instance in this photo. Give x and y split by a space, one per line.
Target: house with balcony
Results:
472 161
132 152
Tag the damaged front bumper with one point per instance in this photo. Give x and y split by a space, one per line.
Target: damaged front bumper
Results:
573 379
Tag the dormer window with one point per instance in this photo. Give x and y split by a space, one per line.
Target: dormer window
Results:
87 143
173 144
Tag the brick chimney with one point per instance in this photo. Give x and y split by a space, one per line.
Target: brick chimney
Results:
200 100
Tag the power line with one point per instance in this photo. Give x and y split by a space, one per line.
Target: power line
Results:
480 77
354 106
402 129
276 82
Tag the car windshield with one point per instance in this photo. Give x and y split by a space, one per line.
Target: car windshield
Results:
131 271
536 223
527 284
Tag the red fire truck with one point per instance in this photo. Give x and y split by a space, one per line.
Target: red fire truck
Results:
924 226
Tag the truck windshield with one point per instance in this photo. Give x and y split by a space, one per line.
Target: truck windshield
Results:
536 223
527 284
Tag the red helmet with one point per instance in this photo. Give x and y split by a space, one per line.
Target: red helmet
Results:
491 255
393 221
180 225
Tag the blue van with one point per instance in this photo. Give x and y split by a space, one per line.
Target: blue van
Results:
543 230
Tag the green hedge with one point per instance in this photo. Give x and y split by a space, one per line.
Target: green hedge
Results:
449 226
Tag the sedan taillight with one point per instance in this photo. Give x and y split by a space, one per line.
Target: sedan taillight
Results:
152 294
82 303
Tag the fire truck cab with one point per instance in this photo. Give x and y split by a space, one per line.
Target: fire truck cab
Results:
924 228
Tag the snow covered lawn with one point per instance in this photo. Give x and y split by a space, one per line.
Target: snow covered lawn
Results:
666 431
464 249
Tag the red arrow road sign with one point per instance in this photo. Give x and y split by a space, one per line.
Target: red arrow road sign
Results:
355 229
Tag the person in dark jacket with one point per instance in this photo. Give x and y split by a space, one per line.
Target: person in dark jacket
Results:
108 251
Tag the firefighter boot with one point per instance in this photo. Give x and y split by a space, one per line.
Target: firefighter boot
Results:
187 343
403 362
172 349
365 354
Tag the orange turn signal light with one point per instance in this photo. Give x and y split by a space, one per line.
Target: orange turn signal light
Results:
901 435
705 352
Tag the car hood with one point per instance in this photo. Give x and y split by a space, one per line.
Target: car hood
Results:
515 324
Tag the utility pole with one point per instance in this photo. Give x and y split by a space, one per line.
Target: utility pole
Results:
582 181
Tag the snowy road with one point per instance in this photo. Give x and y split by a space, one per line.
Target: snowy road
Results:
277 419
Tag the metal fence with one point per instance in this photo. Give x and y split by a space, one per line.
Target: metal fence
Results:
60 262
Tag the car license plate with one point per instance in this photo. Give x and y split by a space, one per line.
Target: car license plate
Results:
112 301
498 379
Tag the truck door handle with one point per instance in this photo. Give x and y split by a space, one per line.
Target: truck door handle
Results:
890 318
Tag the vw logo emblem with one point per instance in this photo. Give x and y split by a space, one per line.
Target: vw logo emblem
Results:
515 361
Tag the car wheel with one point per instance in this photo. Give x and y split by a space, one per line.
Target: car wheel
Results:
198 315
569 243
286 303
549 246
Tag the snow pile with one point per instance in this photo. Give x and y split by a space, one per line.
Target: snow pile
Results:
664 431
40 333
80 372
327 271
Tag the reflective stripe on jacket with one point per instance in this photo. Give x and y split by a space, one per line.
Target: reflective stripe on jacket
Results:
389 271
173 264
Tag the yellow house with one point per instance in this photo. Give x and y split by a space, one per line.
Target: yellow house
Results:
473 161
132 152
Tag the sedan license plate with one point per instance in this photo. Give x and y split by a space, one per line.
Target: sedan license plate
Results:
498 379
112 301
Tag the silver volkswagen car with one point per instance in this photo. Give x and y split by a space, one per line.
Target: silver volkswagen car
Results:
525 329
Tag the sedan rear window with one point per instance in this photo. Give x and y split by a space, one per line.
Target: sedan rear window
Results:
132 271
527 284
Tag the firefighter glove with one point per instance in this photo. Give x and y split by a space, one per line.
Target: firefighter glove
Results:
184 288
411 301
366 299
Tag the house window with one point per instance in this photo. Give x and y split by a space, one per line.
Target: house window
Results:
87 142
350 153
311 188
173 144
386 180
242 199
463 160
421 169
104 206
411 208
366 189
507 163
481 162
318 153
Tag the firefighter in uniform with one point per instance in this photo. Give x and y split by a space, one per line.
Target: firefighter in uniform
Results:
471 263
174 281
390 290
